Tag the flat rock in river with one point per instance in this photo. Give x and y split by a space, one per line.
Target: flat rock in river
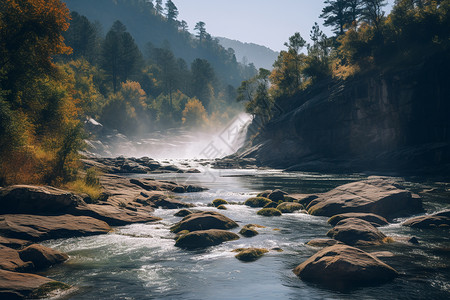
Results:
11 261
114 216
41 256
37 228
373 219
31 199
354 231
375 195
22 285
205 238
438 220
204 221
343 267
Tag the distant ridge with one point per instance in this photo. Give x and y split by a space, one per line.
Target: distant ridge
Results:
260 56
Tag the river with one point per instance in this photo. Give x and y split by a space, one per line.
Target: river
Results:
140 261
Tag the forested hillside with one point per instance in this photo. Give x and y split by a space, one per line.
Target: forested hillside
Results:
374 96
156 24
260 56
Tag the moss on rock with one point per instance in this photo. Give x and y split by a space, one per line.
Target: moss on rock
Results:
257 202
218 202
250 254
269 212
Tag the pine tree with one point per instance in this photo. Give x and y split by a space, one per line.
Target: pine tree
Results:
201 31
171 12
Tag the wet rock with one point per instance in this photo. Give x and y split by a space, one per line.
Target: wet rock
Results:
205 238
11 261
222 207
38 228
257 202
21 285
271 205
305 200
185 212
373 219
264 194
343 267
250 254
204 221
269 212
248 231
413 240
42 257
113 215
30 199
438 220
323 242
169 203
217 202
289 207
13 243
354 231
277 195
376 195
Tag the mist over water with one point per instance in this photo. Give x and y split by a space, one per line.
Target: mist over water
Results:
196 143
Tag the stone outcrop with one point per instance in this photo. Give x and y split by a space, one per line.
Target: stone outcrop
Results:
29 199
354 231
437 220
343 267
22 285
323 242
375 195
205 238
204 221
373 219
250 254
42 257
38 228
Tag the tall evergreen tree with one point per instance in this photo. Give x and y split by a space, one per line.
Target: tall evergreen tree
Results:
334 15
83 37
120 54
201 31
171 11
372 11
203 78
158 7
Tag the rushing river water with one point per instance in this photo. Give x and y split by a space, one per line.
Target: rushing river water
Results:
140 261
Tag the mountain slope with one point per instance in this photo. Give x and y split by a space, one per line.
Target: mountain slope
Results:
260 56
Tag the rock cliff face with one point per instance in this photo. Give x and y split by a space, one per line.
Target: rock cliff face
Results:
379 121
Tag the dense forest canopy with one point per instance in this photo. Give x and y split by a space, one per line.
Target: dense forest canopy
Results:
60 67
365 40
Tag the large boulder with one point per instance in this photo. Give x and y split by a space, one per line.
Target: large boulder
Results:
354 231
373 219
277 195
38 228
375 195
11 261
30 199
438 220
289 207
342 267
21 285
42 257
248 231
204 221
205 238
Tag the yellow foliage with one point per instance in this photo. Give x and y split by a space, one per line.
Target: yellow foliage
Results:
194 114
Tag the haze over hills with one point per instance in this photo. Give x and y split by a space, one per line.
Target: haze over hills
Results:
146 27
260 56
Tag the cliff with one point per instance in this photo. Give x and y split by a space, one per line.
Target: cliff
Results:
381 121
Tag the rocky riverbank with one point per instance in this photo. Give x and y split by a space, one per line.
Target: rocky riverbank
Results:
30 214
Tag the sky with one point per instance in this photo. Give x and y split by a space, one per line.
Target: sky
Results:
264 22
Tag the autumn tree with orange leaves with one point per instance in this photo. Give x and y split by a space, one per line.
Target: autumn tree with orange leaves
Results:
39 128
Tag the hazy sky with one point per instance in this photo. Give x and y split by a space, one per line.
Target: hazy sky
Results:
265 22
